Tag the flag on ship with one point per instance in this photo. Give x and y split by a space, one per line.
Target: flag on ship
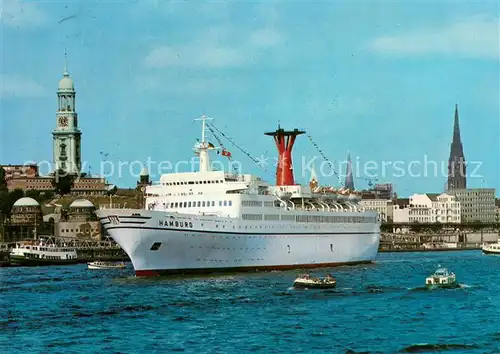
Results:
226 153
211 146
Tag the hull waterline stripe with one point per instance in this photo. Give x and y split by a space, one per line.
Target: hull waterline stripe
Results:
127 217
159 272
242 232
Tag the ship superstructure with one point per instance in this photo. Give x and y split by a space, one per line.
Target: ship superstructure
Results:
210 221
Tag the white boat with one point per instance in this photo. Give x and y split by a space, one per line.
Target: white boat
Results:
308 282
214 221
442 278
105 265
36 253
440 245
491 248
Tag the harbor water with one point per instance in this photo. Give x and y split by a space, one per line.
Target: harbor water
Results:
378 308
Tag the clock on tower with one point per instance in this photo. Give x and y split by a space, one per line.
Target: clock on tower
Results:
63 121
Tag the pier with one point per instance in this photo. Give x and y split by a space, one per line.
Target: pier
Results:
392 242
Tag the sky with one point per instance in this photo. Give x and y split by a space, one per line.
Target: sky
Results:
378 79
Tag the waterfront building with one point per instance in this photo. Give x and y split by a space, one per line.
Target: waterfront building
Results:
497 210
25 221
81 185
384 207
420 209
476 205
434 208
401 211
20 171
26 211
384 190
427 209
457 178
81 222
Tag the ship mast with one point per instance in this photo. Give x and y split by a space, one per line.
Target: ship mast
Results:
201 147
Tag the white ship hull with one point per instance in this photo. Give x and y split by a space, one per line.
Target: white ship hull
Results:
160 243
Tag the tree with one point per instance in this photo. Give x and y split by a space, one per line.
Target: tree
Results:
63 182
3 181
4 203
33 193
112 191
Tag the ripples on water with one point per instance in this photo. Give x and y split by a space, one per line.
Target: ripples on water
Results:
380 308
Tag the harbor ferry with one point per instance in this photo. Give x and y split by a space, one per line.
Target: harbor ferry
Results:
491 248
442 278
33 253
215 221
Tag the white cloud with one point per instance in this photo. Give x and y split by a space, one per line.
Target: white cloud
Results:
216 48
17 14
265 37
194 56
474 37
12 86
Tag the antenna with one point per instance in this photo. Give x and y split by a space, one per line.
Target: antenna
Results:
65 61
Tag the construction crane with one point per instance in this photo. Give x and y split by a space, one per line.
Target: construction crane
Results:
370 181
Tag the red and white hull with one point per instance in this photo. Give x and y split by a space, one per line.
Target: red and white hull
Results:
164 243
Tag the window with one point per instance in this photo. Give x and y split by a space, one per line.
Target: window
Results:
203 204
189 204
155 246
213 202
229 203
225 202
199 203
220 203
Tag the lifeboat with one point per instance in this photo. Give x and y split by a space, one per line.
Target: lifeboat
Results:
354 197
283 194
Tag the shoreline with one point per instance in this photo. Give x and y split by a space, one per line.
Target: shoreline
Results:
429 249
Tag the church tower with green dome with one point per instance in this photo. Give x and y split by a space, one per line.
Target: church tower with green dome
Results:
66 135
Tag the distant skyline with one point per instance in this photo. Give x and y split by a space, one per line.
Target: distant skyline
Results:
378 79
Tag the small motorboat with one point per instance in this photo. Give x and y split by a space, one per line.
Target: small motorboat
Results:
442 278
105 265
491 248
306 281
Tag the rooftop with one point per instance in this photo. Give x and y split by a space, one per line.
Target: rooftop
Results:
26 201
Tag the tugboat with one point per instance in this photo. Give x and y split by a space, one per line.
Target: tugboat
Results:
442 278
105 265
492 248
306 281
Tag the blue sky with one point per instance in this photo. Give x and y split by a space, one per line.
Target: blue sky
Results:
380 79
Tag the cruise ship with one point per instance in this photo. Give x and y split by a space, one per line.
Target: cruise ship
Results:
215 221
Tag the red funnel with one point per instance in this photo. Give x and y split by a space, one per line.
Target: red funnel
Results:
284 142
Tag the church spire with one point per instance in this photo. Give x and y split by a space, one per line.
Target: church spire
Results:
349 179
457 178
456 127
